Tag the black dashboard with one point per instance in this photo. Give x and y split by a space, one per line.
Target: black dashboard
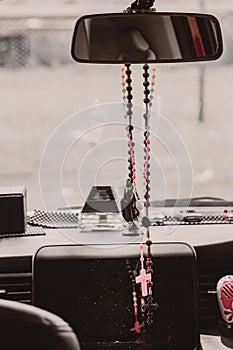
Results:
212 243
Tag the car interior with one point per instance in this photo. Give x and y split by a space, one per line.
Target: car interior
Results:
110 245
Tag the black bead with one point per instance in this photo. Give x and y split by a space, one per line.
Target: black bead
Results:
149 242
146 83
146 100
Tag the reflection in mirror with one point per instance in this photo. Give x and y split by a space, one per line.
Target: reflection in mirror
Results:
150 37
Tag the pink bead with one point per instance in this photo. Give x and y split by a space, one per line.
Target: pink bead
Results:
147 141
146 163
134 177
134 170
145 177
148 149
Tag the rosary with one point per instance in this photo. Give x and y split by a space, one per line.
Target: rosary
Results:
129 203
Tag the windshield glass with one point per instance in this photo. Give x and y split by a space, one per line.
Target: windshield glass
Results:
63 126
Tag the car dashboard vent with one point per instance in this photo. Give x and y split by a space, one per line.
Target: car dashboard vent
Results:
16 287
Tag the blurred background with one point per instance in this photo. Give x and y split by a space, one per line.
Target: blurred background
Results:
41 87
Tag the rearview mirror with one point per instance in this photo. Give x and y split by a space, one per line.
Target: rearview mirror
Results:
160 37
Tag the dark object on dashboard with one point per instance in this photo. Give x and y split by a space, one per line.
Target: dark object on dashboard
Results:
159 37
30 231
89 286
12 210
27 327
100 200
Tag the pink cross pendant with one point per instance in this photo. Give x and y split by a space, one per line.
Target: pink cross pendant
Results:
143 278
137 327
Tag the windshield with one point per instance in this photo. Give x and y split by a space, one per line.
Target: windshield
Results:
62 123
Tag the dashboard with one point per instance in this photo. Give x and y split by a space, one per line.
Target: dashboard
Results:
212 243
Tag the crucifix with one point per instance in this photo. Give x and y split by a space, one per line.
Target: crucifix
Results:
144 277
137 327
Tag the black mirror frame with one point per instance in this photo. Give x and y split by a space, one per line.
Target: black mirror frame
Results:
179 60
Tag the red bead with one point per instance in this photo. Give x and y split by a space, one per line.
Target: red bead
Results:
149 284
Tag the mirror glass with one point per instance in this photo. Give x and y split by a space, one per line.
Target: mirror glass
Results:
151 37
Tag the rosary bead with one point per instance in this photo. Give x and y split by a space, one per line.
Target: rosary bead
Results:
131 128
148 242
146 100
145 75
146 83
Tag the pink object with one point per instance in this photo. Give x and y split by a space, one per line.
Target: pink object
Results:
225 297
143 278
137 327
